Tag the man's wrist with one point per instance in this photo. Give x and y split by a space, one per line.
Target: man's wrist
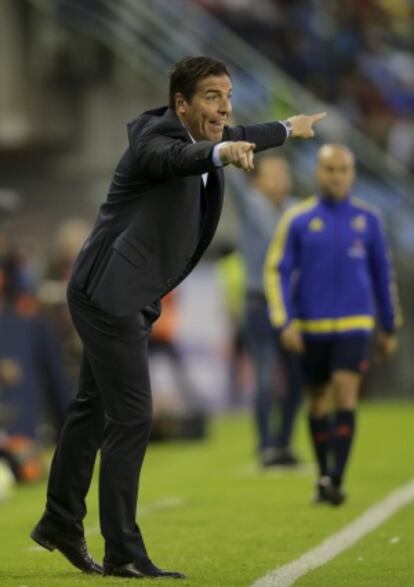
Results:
389 331
216 156
288 126
285 325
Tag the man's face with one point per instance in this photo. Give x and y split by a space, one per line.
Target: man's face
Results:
273 179
208 110
335 171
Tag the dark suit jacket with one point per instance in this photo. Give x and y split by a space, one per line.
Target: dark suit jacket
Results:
158 218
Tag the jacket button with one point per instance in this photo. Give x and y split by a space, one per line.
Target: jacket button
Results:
169 281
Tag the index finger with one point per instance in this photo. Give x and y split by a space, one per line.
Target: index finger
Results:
316 117
248 146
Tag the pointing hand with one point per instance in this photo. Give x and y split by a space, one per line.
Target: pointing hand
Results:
302 125
238 153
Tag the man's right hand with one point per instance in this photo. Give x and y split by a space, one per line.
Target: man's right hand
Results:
292 339
238 153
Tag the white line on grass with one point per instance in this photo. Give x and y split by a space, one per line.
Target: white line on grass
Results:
341 541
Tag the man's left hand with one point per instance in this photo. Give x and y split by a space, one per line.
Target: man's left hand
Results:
387 343
302 125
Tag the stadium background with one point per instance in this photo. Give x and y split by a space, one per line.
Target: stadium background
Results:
72 72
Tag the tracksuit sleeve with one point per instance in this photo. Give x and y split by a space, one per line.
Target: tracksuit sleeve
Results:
385 288
280 263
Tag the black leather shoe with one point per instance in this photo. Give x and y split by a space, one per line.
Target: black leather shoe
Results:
139 570
74 549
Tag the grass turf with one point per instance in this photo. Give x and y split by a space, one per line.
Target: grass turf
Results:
209 511
384 557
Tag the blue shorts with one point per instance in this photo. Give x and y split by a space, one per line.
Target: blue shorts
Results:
324 356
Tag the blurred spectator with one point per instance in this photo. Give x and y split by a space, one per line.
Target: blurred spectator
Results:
260 204
357 55
31 369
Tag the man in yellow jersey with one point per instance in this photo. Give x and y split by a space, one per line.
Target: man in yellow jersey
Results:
326 273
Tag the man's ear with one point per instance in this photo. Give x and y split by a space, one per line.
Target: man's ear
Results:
181 103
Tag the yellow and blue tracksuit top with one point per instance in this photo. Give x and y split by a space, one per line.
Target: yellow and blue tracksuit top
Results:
328 270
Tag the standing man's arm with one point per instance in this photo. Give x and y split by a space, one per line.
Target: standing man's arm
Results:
385 289
273 134
281 261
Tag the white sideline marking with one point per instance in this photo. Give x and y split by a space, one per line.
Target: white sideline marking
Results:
341 541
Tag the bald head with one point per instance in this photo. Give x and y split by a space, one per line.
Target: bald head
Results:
335 170
333 152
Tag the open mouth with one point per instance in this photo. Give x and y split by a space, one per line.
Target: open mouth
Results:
217 126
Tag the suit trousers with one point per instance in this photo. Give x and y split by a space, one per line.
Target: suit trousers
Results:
111 411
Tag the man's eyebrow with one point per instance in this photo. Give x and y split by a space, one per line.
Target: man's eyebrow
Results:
215 91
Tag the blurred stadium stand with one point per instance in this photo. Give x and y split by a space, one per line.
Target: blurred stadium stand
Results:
78 69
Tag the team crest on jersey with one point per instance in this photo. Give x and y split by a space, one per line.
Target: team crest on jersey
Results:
316 224
357 250
359 223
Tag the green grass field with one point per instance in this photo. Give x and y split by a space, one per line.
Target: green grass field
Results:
209 511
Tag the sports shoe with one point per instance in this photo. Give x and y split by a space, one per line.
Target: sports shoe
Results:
328 492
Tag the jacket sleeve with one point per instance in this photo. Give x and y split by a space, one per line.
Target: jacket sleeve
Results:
162 157
281 262
265 135
385 288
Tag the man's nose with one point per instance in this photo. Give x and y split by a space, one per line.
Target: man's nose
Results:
225 107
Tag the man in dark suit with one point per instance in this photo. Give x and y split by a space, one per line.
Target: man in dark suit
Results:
161 213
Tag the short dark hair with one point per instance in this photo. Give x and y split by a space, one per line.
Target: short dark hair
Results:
187 72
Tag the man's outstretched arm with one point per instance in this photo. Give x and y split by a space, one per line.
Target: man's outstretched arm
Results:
273 134
158 156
